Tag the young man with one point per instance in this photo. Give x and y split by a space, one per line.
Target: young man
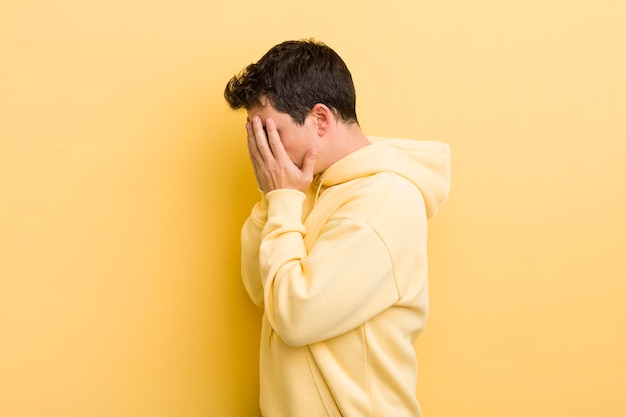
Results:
335 251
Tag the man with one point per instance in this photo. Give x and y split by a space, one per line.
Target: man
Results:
335 251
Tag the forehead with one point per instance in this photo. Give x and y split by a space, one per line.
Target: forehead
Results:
265 110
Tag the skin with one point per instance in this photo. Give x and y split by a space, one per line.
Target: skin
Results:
289 155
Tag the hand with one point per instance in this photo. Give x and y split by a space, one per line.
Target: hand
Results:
272 166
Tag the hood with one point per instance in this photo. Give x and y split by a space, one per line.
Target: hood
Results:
425 163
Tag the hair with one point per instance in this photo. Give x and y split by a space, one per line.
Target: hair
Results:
295 76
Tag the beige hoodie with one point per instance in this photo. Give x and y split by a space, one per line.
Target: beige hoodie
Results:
342 275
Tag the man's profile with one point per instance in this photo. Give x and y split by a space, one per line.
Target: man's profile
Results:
335 250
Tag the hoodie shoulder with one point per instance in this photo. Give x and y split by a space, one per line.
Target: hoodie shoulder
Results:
424 163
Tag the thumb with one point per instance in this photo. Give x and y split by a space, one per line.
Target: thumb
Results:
308 165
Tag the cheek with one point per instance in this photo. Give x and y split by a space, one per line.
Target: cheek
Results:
296 157
290 143
296 145
296 154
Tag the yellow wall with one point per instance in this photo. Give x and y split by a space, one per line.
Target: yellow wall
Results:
124 180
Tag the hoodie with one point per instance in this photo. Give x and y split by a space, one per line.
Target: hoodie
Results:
342 275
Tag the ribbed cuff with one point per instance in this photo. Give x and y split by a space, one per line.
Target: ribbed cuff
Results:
285 203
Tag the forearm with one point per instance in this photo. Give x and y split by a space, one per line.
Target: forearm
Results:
250 243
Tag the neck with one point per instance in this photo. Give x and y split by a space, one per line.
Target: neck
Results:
346 139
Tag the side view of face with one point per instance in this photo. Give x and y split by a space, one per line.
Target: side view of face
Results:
297 139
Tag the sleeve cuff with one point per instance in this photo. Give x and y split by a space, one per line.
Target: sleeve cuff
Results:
285 203
259 211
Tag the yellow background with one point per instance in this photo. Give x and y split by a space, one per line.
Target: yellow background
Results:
124 180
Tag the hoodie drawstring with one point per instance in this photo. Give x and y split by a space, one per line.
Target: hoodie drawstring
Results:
317 193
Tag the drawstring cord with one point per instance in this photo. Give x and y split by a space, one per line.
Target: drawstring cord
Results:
317 193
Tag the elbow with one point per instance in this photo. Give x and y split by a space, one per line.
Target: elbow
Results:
255 295
294 338
296 333
254 290
258 301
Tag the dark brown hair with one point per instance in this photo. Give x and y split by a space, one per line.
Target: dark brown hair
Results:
295 76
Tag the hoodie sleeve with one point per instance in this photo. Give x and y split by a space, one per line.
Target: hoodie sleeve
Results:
250 242
314 296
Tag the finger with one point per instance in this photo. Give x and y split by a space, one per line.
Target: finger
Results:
252 148
253 145
261 139
253 153
276 145
308 166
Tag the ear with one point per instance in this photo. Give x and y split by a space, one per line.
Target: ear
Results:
323 118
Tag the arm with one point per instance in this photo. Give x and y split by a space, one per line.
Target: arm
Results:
334 288
273 169
250 243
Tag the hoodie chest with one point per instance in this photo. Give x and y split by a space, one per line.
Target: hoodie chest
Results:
349 200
